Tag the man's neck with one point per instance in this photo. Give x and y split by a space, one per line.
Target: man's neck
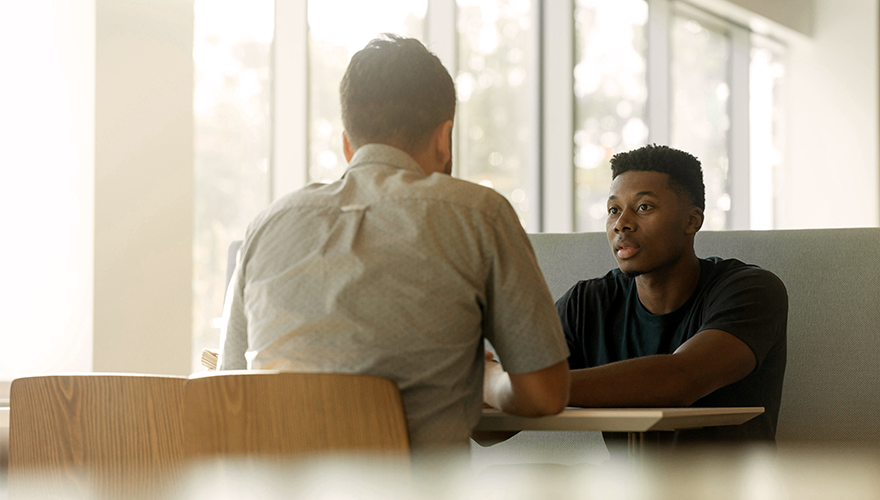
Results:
664 291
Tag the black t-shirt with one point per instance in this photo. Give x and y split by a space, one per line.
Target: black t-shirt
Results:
604 321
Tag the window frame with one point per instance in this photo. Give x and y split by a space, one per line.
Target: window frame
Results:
551 159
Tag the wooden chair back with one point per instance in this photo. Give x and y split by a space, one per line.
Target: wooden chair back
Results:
270 413
95 435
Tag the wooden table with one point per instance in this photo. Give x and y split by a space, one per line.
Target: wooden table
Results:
634 421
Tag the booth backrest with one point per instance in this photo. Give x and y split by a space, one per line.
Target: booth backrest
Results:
831 392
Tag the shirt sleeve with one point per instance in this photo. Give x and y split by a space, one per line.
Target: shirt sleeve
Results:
568 308
519 319
233 333
752 305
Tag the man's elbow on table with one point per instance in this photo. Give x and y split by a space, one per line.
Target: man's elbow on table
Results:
547 389
533 394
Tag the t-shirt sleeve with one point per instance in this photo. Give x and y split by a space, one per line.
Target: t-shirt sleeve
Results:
519 318
752 305
568 308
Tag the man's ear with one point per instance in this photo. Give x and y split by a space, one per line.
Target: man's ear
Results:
695 220
443 140
346 148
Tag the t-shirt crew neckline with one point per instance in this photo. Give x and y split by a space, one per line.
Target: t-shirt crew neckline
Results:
676 316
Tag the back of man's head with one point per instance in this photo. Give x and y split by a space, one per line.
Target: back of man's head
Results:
395 92
684 170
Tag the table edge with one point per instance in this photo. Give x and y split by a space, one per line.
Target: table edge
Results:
620 419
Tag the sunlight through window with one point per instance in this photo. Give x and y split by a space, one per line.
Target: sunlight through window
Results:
610 97
232 107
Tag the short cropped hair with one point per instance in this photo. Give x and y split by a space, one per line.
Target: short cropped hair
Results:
395 92
684 170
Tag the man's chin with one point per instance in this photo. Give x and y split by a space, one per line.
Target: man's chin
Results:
631 273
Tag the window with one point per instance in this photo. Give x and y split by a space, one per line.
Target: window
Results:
494 120
232 101
548 92
700 76
766 127
610 89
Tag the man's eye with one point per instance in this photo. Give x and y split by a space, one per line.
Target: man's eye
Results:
643 207
612 210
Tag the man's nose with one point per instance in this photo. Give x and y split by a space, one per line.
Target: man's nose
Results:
625 222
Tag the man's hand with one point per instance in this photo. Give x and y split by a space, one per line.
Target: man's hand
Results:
491 364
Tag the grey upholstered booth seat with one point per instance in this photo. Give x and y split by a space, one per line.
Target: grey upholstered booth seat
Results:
831 393
832 381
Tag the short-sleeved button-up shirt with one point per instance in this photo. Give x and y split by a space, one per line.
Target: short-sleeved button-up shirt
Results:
392 272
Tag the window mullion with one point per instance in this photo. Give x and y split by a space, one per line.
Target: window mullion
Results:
440 32
739 152
289 165
440 38
557 145
658 62
536 124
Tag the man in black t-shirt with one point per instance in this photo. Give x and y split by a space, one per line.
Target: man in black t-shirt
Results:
667 328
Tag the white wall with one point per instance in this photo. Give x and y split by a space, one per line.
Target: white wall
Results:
831 177
143 186
47 124
96 186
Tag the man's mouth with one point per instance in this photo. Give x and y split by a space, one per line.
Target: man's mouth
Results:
626 250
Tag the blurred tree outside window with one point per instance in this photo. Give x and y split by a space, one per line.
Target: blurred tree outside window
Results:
610 91
699 76
766 127
232 107
492 120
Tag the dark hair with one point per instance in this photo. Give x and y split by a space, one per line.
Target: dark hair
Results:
395 92
684 170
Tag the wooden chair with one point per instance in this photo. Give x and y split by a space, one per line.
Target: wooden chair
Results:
282 414
95 435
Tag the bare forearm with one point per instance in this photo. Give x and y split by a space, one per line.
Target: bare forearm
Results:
710 360
647 381
534 394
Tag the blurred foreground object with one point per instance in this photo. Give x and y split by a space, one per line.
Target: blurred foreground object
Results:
716 473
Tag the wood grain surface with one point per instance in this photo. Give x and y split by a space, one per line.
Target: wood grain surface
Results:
95 435
265 413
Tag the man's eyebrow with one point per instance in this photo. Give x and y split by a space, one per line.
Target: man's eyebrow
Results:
638 195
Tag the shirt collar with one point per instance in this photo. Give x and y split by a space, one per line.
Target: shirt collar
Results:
384 154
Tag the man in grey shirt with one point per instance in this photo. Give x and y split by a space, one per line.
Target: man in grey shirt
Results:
398 269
